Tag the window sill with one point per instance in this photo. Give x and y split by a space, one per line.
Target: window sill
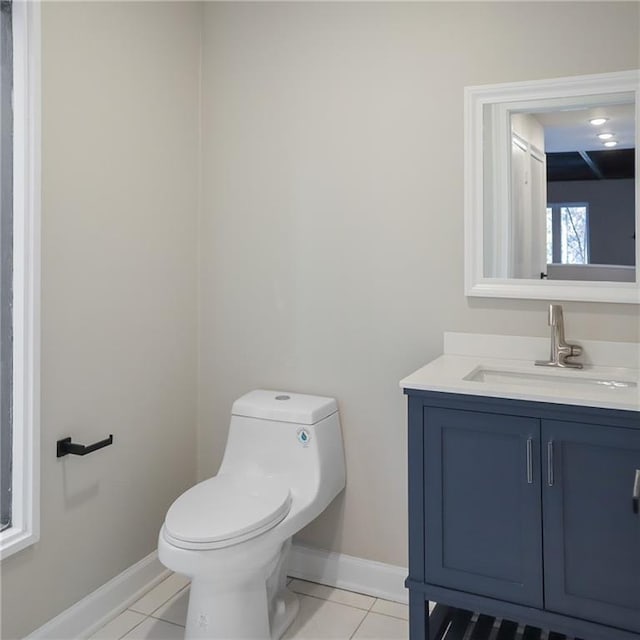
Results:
15 539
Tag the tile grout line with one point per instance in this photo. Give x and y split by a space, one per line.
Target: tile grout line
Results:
179 626
150 615
358 593
388 615
175 624
359 625
175 593
342 604
328 586
369 610
135 626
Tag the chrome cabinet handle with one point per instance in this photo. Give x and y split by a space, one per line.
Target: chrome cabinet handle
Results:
530 461
636 492
550 463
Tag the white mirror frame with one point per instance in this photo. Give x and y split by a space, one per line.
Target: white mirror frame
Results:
475 99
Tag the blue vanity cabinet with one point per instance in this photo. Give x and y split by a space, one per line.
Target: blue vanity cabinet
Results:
591 533
523 511
483 531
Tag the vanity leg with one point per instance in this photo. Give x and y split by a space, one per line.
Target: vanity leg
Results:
418 616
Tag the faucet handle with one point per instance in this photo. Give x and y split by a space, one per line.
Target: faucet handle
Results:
572 351
576 350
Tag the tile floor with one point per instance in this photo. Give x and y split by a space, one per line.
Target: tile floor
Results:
324 613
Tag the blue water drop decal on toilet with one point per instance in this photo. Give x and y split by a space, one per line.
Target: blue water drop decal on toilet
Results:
303 437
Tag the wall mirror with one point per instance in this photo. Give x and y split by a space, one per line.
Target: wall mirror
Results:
551 189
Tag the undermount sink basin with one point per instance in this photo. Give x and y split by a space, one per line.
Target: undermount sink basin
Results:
563 377
503 367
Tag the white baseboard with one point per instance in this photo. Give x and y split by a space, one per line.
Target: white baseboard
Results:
348 572
105 603
325 567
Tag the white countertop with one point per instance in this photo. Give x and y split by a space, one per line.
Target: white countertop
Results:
610 387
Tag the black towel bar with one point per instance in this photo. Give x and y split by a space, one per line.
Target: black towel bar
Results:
65 446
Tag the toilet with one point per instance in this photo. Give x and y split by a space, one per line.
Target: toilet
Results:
282 466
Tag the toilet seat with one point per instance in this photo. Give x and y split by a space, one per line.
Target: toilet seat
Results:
226 510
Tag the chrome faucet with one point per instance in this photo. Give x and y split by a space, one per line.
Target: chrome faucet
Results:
560 349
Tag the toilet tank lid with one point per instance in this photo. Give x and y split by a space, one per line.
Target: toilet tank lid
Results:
284 406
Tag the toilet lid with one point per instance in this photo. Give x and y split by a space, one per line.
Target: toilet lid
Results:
225 508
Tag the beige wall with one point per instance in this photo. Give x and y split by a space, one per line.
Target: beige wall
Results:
330 243
331 235
119 173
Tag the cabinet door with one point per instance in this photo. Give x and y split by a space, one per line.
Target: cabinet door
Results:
483 531
591 534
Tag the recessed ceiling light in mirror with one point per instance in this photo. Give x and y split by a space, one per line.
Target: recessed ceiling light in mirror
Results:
605 136
610 143
597 122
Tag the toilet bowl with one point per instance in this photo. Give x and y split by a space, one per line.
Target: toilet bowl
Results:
282 466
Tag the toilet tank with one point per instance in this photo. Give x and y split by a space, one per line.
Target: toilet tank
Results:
283 406
295 436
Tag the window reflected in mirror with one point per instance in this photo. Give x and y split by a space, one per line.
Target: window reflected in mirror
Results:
568 233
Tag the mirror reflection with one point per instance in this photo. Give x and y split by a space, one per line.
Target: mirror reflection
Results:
560 183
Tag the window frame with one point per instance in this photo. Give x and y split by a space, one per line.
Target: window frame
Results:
556 216
6 275
25 526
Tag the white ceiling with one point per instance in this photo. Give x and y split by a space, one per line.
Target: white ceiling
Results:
570 130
